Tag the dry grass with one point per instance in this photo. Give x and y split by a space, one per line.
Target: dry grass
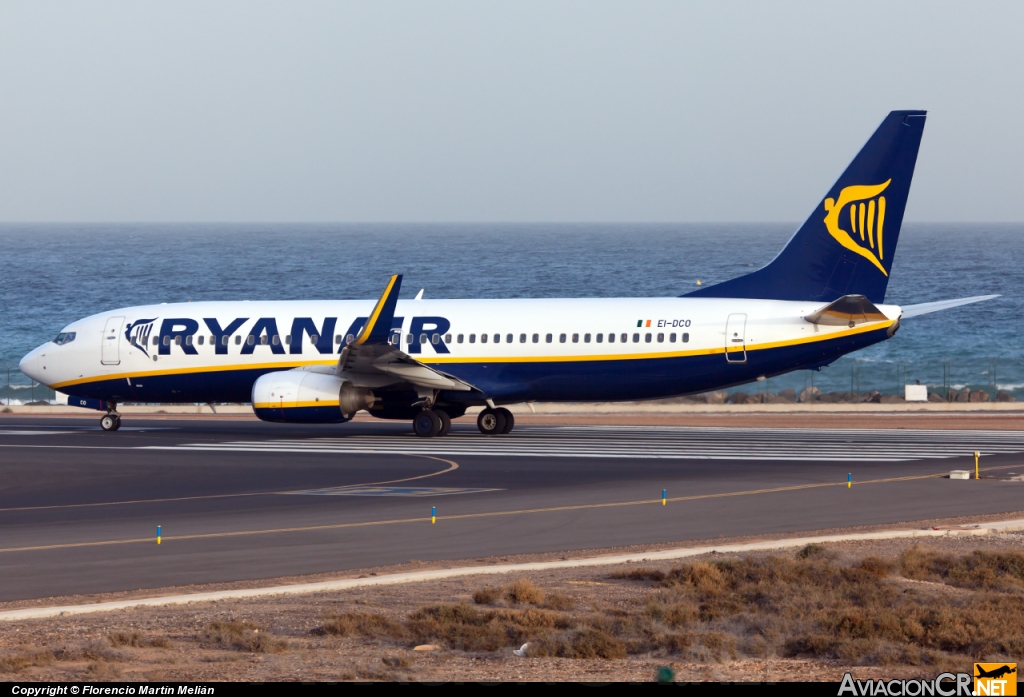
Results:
522 591
138 641
241 636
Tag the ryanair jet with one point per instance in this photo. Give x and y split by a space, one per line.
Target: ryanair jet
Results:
429 360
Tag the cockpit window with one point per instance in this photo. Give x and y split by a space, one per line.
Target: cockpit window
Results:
64 338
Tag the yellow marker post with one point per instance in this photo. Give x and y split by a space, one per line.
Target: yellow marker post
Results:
158 534
433 514
976 472
664 496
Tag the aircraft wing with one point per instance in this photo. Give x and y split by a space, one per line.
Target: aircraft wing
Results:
925 308
373 360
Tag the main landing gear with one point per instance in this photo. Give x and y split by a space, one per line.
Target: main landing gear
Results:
429 423
110 421
435 422
492 422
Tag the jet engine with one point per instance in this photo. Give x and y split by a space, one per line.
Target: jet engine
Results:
299 396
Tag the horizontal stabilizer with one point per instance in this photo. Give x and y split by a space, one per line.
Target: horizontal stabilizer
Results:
925 308
849 310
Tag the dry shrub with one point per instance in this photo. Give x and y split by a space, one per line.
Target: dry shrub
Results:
811 605
811 550
241 636
487 595
876 567
361 624
523 592
587 643
397 661
103 671
137 640
640 573
989 570
94 651
557 601
15 663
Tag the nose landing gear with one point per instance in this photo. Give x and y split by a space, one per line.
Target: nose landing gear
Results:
111 421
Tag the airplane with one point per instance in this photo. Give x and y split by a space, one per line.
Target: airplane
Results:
995 672
428 361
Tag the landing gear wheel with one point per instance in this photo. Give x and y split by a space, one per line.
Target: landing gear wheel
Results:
510 420
446 422
110 422
491 422
426 424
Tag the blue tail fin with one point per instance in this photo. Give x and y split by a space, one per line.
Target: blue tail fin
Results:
847 244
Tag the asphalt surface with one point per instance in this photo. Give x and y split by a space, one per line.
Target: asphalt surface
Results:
236 500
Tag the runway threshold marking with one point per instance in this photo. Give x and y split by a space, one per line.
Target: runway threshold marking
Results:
452 466
486 514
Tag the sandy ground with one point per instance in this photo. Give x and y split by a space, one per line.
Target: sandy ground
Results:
189 642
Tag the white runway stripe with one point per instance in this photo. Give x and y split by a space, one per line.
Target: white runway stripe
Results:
679 443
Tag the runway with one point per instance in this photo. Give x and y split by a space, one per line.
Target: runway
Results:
241 500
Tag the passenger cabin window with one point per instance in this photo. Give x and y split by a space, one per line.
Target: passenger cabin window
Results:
536 338
586 338
611 338
288 339
435 339
460 338
561 338
314 339
472 338
238 339
177 340
188 340
522 338
423 338
337 338
575 338
686 337
600 338
263 340
167 341
497 338
201 339
547 338
508 338
661 338
636 338
408 338
672 337
623 337
647 337
223 340
250 340
483 338
276 340
156 340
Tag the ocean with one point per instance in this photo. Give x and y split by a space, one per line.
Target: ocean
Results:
52 274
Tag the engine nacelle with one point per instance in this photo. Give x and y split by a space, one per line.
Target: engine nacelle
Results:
298 396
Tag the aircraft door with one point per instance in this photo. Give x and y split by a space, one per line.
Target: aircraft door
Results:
735 338
110 351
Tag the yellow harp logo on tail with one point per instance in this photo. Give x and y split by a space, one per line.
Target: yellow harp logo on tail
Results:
867 221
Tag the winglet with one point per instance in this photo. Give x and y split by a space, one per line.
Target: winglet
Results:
378 327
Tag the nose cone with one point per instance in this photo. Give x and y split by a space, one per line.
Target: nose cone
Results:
32 365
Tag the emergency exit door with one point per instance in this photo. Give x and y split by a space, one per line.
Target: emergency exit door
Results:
735 338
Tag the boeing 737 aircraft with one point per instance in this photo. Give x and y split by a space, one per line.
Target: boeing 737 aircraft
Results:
429 360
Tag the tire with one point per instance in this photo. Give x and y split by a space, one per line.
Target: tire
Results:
446 422
491 422
117 422
109 423
510 420
426 424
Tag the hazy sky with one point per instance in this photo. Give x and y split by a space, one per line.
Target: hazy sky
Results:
497 111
